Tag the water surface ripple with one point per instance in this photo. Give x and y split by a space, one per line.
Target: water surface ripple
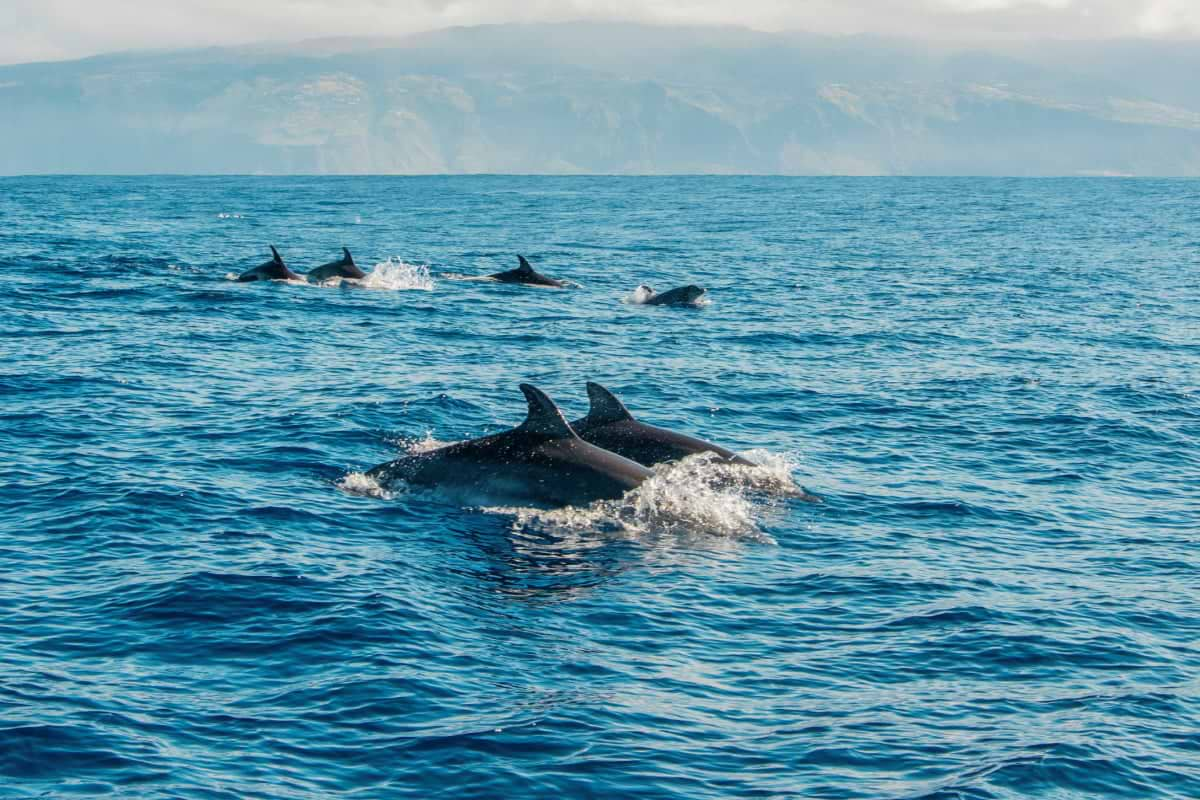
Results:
993 385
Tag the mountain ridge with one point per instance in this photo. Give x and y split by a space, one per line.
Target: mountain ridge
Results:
608 98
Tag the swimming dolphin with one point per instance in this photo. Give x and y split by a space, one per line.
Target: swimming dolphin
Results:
273 270
541 461
609 424
681 296
342 268
526 274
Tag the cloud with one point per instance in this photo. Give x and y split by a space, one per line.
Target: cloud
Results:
52 29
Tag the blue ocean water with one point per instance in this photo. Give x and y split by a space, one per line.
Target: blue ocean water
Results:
993 385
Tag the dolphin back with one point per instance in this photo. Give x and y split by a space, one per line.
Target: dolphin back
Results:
542 461
344 267
273 270
525 273
605 407
679 296
609 425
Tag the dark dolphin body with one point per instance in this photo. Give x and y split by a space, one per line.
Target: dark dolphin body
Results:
273 270
540 462
680 296
610 425
526 274
342 268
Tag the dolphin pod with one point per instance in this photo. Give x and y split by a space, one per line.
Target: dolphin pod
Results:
524 273
548 461
541 461
545 460
276 270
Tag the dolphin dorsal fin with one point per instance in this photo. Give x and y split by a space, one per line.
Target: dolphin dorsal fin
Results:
544 417
276 256
346 257
606 407
524 265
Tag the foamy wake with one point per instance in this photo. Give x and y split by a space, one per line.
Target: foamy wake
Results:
392 275
771 475
398 275
359 483
363 485
233 276
669 505
459 276
639 295
423 445
698 496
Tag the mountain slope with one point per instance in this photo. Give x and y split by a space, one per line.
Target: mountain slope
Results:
607 98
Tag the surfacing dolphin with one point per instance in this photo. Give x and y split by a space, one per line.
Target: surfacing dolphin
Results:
273 270
609 425
526 274
540 462
681 296
342 268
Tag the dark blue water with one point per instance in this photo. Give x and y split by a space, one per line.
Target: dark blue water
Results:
994 385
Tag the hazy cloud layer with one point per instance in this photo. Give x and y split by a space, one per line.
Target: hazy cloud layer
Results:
56 29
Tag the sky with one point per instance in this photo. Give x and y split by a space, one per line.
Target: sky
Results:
44 30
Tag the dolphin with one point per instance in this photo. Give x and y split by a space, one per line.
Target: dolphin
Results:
273 270
342 268
540 462
681 296
609 424
526 274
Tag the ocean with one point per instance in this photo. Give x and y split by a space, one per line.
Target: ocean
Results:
992 385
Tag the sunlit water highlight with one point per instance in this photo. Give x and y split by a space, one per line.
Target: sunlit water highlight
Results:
991 385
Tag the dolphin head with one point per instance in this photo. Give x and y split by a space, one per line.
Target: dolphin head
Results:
691 293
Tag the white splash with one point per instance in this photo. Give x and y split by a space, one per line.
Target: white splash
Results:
459 276
233 276
363 485
772 474
423 445
397 275
639 295
643 293
695 497
698 498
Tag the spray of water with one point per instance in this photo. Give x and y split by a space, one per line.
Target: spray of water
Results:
398 275
699 496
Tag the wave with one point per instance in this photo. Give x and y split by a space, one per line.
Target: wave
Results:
678 503
363 485
698 496
397 275
639 295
